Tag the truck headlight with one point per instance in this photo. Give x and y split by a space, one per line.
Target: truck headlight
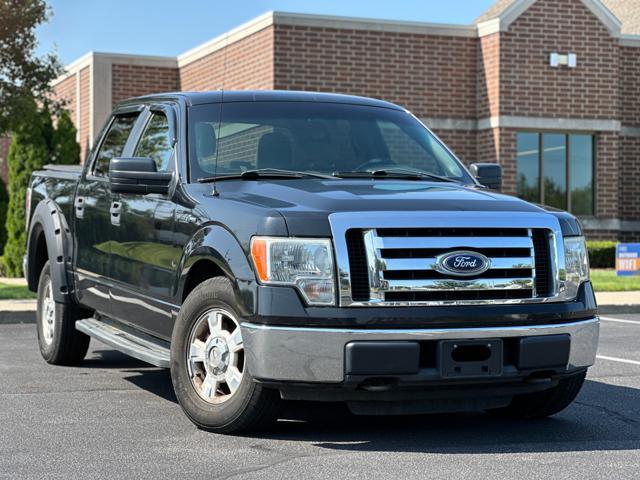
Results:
577 265
306 264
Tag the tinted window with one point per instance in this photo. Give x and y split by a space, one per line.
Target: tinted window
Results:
114 142
156 142
312 137
567 164
528 164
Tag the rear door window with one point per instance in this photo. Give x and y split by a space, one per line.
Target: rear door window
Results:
114 143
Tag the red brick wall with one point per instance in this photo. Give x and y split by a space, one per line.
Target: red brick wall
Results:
630 85
134 80
434 76
530 87
629 178
243 65
462 142
489 76
65 92
607 174
85 112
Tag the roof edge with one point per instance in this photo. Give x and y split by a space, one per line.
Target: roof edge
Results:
510 14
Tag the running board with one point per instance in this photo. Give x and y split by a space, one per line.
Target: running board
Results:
137 345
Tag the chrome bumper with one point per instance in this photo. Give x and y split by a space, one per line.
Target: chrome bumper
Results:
291 354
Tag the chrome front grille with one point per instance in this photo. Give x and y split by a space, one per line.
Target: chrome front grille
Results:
395 263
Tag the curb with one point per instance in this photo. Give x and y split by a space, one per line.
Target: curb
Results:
9 317
618 309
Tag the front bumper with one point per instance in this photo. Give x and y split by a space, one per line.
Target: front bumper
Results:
305 355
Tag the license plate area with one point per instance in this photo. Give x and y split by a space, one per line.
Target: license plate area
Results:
470 358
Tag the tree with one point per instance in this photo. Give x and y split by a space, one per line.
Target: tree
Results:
35 143
23 74
65 149
28 152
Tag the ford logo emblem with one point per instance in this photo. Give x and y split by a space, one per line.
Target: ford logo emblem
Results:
462 263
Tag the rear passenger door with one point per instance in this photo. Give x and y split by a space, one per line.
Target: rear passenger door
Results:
92 218
144 256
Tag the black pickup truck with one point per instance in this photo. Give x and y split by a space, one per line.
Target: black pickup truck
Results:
280 246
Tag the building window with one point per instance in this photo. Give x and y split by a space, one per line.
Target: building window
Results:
556 169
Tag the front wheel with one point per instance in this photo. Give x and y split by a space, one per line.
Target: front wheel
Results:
545 403
209 372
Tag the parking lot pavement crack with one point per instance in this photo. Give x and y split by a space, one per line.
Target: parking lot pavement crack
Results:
610 413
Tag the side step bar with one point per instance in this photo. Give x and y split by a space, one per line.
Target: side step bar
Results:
137 345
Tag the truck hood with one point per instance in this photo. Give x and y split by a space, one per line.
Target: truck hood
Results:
306 204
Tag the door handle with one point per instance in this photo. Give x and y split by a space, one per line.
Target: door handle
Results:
115 213
79 205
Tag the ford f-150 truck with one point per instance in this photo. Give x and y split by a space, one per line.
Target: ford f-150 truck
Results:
281 246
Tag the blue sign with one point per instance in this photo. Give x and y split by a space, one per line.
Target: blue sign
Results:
628 259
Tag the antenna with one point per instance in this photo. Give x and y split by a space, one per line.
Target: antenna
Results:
224 77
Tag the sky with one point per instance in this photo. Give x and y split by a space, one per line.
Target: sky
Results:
166 27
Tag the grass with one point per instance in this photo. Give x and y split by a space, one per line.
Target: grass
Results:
15 292
608 281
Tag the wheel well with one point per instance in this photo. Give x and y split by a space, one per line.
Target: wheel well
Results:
37 260
200 271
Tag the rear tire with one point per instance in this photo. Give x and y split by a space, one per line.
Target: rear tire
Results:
59 341
208 370
545 403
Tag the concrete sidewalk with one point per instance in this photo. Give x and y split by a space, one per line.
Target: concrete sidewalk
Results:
609 303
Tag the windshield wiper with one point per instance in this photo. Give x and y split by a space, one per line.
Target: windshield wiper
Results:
404 173
265 173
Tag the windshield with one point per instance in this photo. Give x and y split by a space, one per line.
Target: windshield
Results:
328 138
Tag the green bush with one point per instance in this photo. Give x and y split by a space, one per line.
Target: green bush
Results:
602 254
35 142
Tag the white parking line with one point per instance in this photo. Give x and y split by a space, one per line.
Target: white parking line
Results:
620 320
620 360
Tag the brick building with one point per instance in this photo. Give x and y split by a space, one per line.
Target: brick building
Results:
550 89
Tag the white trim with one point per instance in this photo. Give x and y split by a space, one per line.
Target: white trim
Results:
323 21
101 94
78 106
489 27
549 123
630 131
138 60
74 67
450 123
231 36
628 40
510 14
533 123
374 24
614 224
608 19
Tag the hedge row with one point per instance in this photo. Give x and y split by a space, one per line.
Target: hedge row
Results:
602 254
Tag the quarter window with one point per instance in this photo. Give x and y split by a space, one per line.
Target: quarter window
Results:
556 169
156 142
114 142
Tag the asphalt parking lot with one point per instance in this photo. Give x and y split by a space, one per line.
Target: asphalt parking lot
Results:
117 418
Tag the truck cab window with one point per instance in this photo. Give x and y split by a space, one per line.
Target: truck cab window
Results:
156 142
114 142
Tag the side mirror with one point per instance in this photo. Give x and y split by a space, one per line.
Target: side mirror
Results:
488 174
137 175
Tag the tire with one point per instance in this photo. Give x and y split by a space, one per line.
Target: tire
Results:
206 356
543 404
59 341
